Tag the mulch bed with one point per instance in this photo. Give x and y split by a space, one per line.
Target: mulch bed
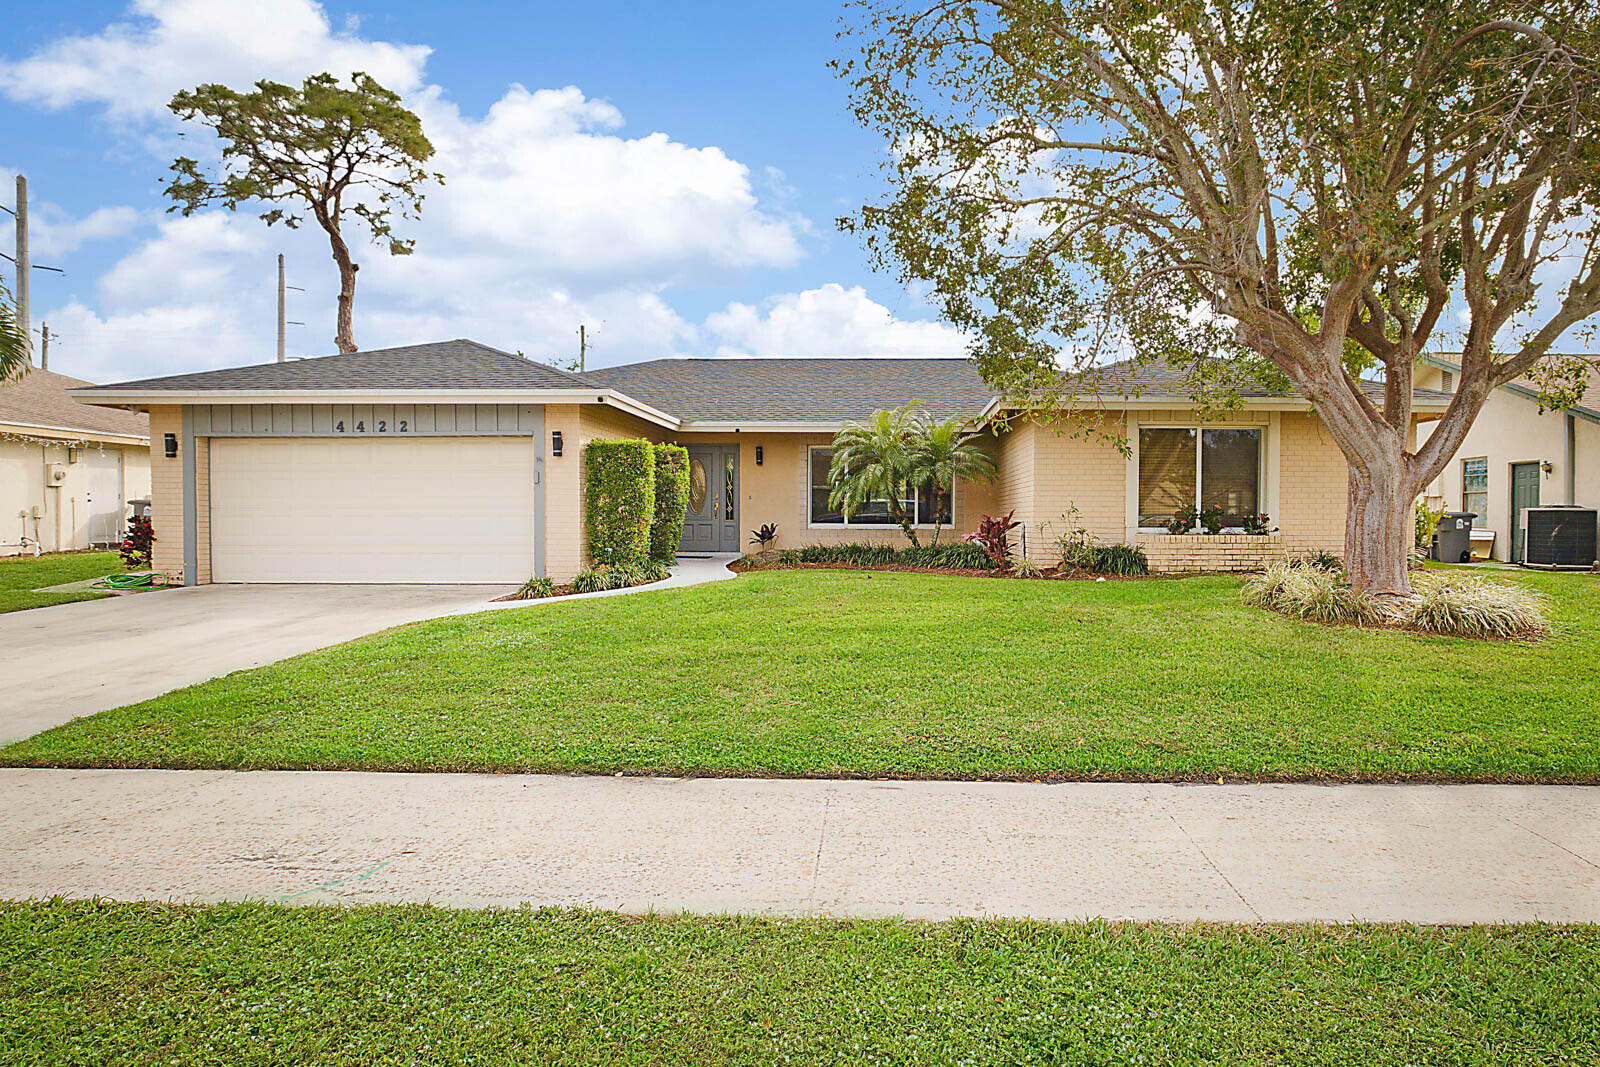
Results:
746 564
567 590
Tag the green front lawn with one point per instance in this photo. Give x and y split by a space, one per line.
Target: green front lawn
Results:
21 576
105 983
859 673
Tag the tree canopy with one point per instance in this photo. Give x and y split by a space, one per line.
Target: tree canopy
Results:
1260 189
324 148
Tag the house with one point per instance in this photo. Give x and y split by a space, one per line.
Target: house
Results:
67 471
455 462
1517 455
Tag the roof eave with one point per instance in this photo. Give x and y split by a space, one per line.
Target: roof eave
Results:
80 433
112 396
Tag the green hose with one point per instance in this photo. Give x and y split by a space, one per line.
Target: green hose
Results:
127 583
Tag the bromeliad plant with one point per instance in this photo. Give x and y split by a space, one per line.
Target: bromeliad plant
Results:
763 536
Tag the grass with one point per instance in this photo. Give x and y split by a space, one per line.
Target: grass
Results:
838 673
103 983
22 576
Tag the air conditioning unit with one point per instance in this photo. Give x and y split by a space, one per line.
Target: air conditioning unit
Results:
56 474
1559 536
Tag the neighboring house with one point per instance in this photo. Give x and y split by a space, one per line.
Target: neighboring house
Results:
1516 456
67 471
455 462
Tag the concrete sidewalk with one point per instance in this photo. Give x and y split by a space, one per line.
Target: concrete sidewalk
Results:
1274 853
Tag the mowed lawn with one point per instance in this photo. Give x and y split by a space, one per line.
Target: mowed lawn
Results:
858 673
104 983
22 576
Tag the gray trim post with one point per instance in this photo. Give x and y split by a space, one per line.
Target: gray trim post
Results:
191 521
538 492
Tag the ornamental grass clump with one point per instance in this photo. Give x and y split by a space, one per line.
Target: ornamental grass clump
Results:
1467 605
1311 593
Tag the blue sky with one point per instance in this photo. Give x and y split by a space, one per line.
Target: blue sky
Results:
668 174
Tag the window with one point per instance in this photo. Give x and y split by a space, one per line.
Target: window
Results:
876 512
1475 489
1182 467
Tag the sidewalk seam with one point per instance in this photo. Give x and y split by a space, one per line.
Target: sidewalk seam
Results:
1212 864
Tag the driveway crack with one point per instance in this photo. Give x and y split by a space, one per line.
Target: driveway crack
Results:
1213 865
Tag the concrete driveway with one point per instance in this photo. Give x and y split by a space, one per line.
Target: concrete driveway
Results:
77 659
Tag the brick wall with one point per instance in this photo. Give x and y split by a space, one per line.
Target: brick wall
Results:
1189 553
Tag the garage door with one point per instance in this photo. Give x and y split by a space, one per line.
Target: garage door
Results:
434 509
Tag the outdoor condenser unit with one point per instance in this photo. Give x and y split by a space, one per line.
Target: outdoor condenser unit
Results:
1558 536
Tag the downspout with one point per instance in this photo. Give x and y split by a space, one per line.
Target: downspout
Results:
1572 459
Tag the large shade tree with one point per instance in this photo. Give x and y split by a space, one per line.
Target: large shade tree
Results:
1311 193
329 149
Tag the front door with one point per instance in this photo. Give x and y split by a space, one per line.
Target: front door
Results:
711 518
1524 494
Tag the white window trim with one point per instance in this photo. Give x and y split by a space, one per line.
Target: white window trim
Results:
1263 461
810 525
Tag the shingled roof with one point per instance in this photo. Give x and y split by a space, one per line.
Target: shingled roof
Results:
458 364
39 399
800 390
1159 378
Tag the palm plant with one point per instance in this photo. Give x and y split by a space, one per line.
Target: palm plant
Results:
13 346
941 452
872 461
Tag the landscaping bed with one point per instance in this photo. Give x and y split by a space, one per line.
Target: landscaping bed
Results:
825 673
107 983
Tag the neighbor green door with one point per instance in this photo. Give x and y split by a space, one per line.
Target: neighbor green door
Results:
1524 494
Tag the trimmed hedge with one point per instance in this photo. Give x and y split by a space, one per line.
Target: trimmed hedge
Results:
621 486
672 497
955 556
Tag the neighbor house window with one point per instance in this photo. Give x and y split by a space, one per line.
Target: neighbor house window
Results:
1189 467
1475 489
923 504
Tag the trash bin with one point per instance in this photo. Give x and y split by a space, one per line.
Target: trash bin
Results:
1452 539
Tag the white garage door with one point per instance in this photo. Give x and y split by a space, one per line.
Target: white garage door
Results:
426 509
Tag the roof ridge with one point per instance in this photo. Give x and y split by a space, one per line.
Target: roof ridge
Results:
521 360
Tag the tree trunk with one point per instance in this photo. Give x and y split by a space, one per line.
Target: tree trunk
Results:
1379 530
344 338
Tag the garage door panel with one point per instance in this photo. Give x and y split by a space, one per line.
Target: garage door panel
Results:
435 509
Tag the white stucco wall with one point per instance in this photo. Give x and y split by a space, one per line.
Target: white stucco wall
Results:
63 511
1510 429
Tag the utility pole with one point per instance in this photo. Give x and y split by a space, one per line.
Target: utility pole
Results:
583 347
23 267
283 329
44 349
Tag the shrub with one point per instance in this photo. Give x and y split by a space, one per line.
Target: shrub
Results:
1027 567
535 589
994 534
1312 593
1212 518
1464 605
621 487
1427 520
1323 561
764 535
654 572
967 557
594 581
672 497
138 545
1183 520
1256 524
1120 560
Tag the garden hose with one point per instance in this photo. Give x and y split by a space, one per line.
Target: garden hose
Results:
127 583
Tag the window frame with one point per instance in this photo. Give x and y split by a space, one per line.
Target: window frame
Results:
1199 428
811 451
1481 515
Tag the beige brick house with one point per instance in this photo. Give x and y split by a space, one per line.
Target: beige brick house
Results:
455 462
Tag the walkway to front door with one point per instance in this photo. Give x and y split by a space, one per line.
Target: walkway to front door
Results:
711 520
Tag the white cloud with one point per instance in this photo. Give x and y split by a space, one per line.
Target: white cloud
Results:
827 321
133 66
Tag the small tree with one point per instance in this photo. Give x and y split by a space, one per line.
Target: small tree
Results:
872 461
331 148
13 346
942 453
